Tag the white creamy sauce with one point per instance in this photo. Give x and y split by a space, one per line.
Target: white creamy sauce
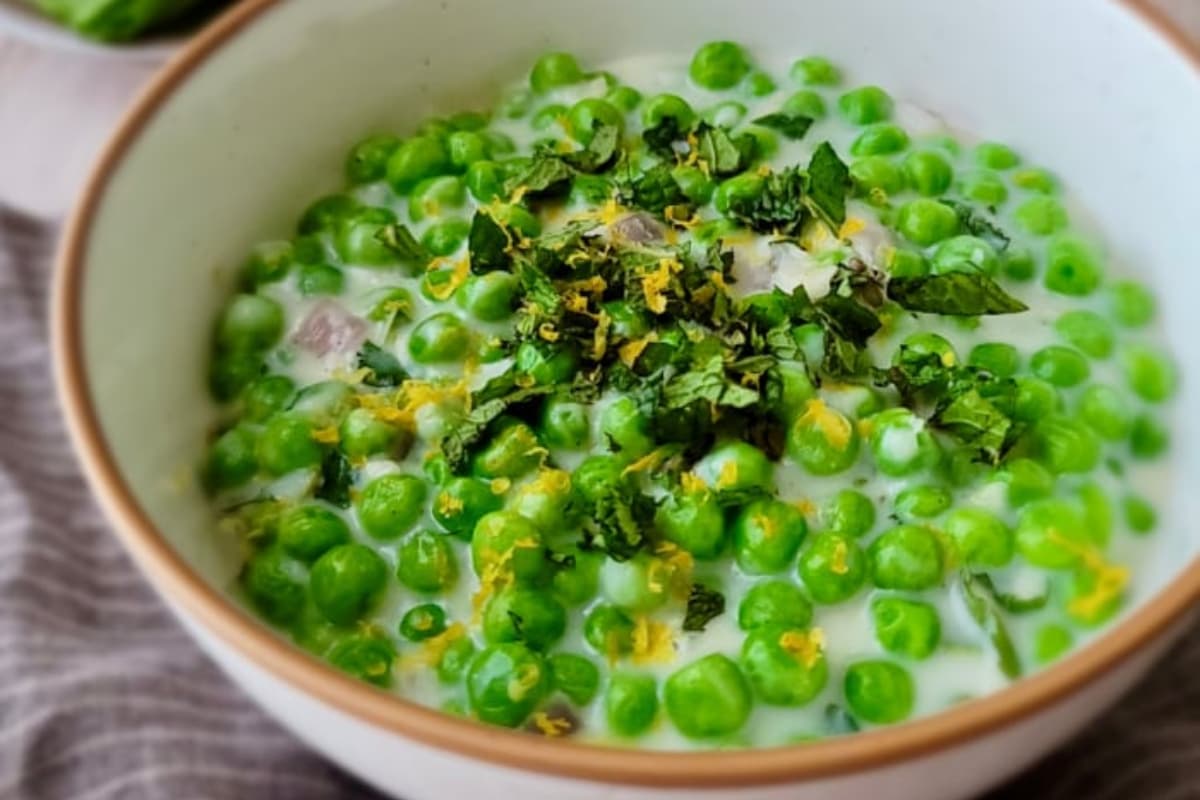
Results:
965 665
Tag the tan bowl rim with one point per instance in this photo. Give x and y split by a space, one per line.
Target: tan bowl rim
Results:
255 642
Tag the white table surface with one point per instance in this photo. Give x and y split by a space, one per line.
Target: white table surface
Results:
57 107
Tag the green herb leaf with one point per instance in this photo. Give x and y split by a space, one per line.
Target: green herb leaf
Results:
538 289
988 617
487 244
617 522
654 190
385 368
496 398
703 605
1011 603
976 224
828 185
600 152
337 476
717 149
792 126
960 294
661 138
976 422
779 208
710 383
400 240
546 175
394 307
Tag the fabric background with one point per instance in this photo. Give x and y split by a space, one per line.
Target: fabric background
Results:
102 695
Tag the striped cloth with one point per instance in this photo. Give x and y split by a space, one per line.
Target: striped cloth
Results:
103 696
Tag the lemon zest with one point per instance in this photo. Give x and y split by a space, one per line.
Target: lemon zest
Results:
527 678
457 278
833 426
500 485
327 435
551 726
631 350
729 475
804 646
807 507
653 642
838 563
691 482
546 331
448 505
851 226
434 648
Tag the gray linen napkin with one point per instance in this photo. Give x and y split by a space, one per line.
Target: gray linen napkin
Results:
103 696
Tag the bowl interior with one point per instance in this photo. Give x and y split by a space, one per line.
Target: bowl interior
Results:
259 126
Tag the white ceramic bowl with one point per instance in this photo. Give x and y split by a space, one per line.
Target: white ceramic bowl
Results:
255 116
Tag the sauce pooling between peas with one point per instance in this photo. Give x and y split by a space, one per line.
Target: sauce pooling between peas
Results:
704 407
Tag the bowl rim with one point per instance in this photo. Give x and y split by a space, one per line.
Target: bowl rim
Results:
175 580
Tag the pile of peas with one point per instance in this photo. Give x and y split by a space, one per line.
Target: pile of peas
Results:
890 511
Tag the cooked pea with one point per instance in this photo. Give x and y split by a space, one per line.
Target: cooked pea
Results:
631 703
1140 516
849 512
590 112
1086 331
504 537
865 105
880 140
998 358
879 691
485 181
416 159
505 683
1061 366
901 443
625 98
250 322
1050 642
719 65
286 444
1041 216
490 298
1149 373
668 106
231 459
1148 438
738 189
906 557
707 698
361 434
815 71
575 676
906 627
545 500
922 501
1105 411
822 439
1035 180
785 667
565 423
347 581
275 585
965 254
423 621
735 465
926 222
1035 400
928 171
1018 264
767 535
609 631
833 568
776 603
520 614
980 537
462 502
1027 480
1050 533
554 70
1131 303
426 563
455 660
365 656
433 196
1071 267
994 155
576 584
307 532
1066 445
546 363
391 504
327 213
984 188
514 451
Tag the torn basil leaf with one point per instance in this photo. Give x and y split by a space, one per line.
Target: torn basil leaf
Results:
1011 603
337 476
792 126
400 240
716 148
487 244
976 224
828 185
600 152
384 368
986 614
703 606
958 294
779 208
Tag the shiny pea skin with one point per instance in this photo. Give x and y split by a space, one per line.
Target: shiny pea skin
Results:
906 557
906 627
307 532
286 443
719 65
524 614
490 297
707 698
461 502
784 667
575 676
439 338
767 534
776 603
1087 332
980 538
695 522
505 683
833 568
631 703
391 504
849 512
347 581
879 691
426 563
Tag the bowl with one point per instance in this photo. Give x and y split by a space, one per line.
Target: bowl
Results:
254 116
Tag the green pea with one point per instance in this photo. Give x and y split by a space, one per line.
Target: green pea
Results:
823 440
515 104
365 656
877 174
815 71
1050 642
794 389
439 338
320 279
1097 513
638 584
906 557
358 241
1027 480
546 363
774 603
596 476
505 683
1061 366
880 140
631 703
286 444
926 222
626 428
1072 268
416 159
1018 264
1042 216
1106 412
726 114
361 434
466 148
965 254
784 667
1035 180
805 103
980 538
519 614
491 297
1000 359
1149 373
767 534
269 262
347 581
485 181
984 188
575 676
1140 516
546 499
554 70
322 403
1148 438
589 112
249 322
1065 444
609 631
626 98
906 627
426 563
565 423
327 214
368 159
578 583
1051 532
879 691
707 698
423 622
695 184
1131 303
231 459
500 532
735 465
668 107
719 65
901 443
456 660
695 522
462 502
833 567
766 143
922 501
446 237
1087 331
849 512
274 584
907 264
391 504
307 532
928 172
994 155
865 105
432 196
1035 399
737 190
